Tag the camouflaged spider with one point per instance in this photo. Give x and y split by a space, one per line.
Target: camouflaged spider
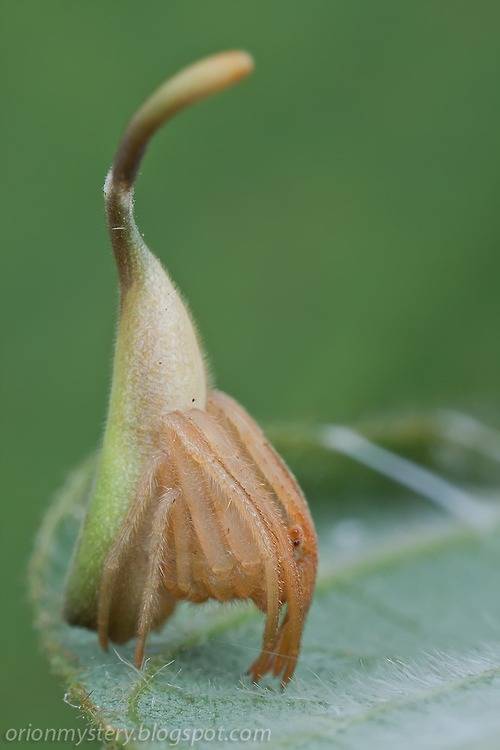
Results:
190 500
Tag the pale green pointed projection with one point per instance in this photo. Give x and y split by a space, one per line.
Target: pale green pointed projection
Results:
158 364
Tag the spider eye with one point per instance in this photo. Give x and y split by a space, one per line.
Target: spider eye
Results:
296 535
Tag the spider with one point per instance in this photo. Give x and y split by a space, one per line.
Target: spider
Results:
213 512
228 521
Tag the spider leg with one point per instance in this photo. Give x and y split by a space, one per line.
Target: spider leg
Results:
149 604
197 563
203 449
289 495
263 454
182 540
113 563
207 531
202 562
240 467
226 453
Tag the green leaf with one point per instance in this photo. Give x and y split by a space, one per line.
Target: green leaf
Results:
402 644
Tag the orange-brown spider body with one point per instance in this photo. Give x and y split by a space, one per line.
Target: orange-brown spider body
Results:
228 521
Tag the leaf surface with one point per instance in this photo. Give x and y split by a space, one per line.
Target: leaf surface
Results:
401 647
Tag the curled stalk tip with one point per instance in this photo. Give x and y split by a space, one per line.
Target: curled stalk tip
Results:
190 85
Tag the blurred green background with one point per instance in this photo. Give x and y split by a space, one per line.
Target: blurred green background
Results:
334 223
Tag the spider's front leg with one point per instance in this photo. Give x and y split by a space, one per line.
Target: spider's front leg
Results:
154 605
252 510
131 599
222 547
288 496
